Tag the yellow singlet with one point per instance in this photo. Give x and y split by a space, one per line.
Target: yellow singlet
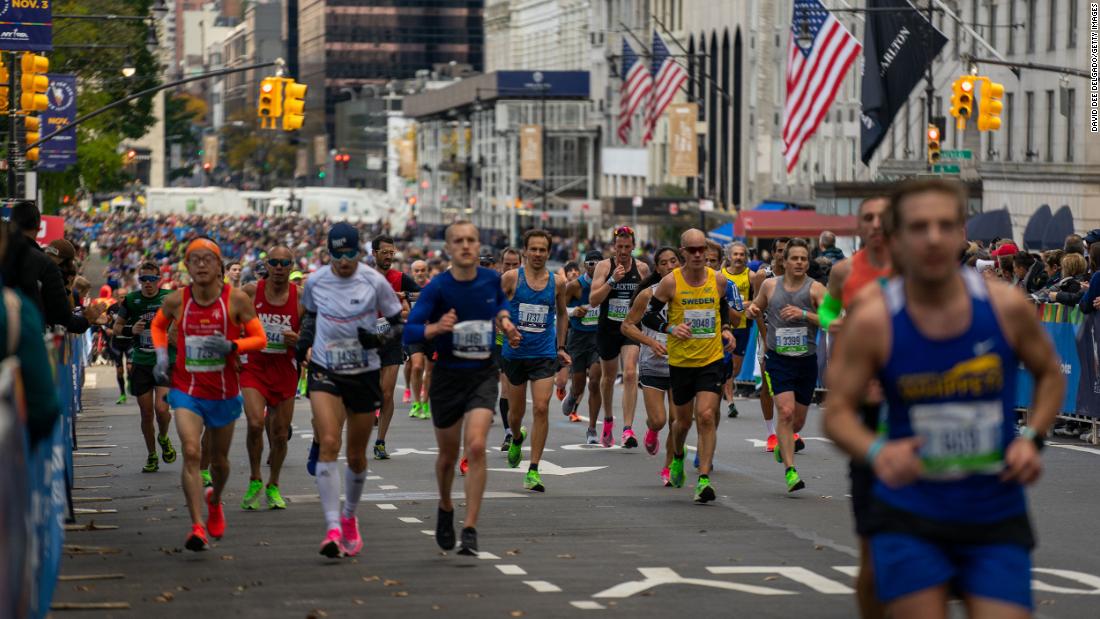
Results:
742 283
698 307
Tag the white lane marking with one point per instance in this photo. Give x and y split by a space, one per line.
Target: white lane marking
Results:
797 574
657 576
387 487
588 605
549 468
541 586
586 447
1091 582
487 556
90 380
1095 452
427 532
512 570
387 506
410 520
403 496
373 477
849 570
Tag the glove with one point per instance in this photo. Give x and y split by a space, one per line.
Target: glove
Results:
369 339
220 346
160 370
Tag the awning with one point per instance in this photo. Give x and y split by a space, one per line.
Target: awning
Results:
989 225
1036 226
723 233
801 223
1060 226
769 205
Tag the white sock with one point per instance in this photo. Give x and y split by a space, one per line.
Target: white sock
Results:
328 485
353 489
770 423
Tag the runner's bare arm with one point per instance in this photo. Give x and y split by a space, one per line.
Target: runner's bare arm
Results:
249 289
634 318
562 322
508 282
243 312
600 286
661 296
817 296
760 303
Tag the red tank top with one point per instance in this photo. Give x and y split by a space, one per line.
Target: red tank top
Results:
861 274
276 319
197 373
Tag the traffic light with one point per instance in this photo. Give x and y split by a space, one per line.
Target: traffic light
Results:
991 105
4 92
342 160
934 138
294 105
962 100
34 83
270 105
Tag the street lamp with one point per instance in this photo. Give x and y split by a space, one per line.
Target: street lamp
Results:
160 9
128 68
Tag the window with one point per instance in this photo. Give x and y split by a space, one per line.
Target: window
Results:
1071 94
1050 126
993 24
1030 26
975 26
1011 27
1071 36
1029 131
1010 118
1053 24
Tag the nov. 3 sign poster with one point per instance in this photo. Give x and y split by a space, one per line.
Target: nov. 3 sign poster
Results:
26 25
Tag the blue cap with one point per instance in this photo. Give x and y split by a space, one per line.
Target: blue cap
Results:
343 236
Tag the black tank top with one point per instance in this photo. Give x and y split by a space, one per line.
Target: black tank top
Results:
615 307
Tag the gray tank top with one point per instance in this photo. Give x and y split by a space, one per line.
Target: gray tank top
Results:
649 364
791 338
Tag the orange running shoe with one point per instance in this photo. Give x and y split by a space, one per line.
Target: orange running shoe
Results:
773 440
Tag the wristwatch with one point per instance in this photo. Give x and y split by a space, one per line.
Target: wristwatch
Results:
1029 433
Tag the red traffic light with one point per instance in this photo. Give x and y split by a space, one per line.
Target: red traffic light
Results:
934 134
206 166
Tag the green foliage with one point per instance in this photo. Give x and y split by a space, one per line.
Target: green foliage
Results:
258 154
181 112
669 190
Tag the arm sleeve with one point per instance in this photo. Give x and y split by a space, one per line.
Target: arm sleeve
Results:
503 305
78 323
1090 296
255 338
652 317
43 407
159 330
420 314
724 312
829 310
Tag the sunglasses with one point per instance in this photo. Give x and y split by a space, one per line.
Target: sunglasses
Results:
624 231
347 254
487 261
591 263
148 279
276 262
695 251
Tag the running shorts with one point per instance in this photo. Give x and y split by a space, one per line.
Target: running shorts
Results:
142 380
361 393
455 392
520 371
391 354
275 379
581 346
610 342
650 381
905 564
686 382
215 413
741 341
796 374
424 348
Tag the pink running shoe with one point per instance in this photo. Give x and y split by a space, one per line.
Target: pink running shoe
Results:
407 397
629 440
608 437
331 546
652 441
665 477
351 543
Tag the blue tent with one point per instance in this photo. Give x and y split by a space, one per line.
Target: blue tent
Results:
723 233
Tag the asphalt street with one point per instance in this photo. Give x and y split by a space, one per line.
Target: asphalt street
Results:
606 537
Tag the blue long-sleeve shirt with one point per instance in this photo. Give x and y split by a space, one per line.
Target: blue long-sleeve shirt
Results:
477 303
1091 294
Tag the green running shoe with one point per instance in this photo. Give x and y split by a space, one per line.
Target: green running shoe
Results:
533 482
251 499
414 412
676 472
794 482
121 399
167 451
152 465
425 410
207 480
704 492
515 450
380 452
274 499
778 453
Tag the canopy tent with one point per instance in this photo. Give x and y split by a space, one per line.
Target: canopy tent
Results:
1036 226
1060 226
800 223
723 233
989 225
769 205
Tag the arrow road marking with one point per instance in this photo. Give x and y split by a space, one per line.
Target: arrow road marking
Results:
549 468
657 576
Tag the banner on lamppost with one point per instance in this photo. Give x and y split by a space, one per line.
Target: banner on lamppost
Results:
530 152
59 152
406 158
26 26
210 146
682 141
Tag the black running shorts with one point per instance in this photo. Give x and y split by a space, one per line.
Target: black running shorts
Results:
686 382
361 393
520 371
581 346
457 391
142 381
610 341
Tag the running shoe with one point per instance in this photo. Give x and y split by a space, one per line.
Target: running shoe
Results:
445 528
167 451
464 466
773 440
629 440
207 480
652 441
121 400
380 452
569 405
331 546
574 418
414 412
533 482
425 410
733 412
560 392
469 542
794 482
507 443
799 444
251 499
607 439
215 516
704 492
590 437
664 475
275 498
196 541
408 396
152 464
311 460
676 472
350 541
515 449
779 454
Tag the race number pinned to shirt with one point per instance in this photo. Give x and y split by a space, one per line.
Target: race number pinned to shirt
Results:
275 342
382 325
533 318
792 341
346 356
617 309
701 322
201 355
959 438
592 317
473 339
145 339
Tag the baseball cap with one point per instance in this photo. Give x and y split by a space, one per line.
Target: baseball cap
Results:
295 275
1008 249
62 249
487 256
343 236
593 254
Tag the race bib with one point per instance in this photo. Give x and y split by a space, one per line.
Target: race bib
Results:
592 317
346 356
792 340
275 343
198 356
960 438
617 309
381 325
145 339
701 322
533 318
473 339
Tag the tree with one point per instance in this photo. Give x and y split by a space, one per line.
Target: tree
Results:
182 112
257 155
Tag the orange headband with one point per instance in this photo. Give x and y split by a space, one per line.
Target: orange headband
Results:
202 244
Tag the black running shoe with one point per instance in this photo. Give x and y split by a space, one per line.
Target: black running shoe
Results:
469 542
732 410
445 529
799 444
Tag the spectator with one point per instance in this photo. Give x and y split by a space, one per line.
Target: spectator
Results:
1071 287
827 244
27 268
1053 261
1074 245
1090 301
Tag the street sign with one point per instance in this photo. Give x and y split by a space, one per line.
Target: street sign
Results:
945 169
673 209
26 26
956 154
637 202
706 205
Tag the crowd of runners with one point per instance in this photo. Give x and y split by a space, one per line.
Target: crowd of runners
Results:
921 380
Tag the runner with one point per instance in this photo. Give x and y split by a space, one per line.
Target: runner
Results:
457 310
571 271
509 261
767 407
738 273
392 354
698 322
418 370
581 346
949 513
205 392
613 285
342 301
135 314
653 372
537 307
233 273
269 379
790 302
733 299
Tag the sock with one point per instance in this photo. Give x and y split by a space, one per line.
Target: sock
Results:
625 428
503 404
770 424
534 466
328 486
379 442
353 489
677 456
704 477
121 384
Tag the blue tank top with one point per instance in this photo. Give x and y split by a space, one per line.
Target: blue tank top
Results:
533 312
959 396
591 320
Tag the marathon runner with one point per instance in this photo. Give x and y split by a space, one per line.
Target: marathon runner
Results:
790 303
457 311
581 346
269 379
133 320
698 323
571 271
418 370
116 346
949 513
613 285
537 308
733 299
738 273
767 407
392 355
509 261
342 301
205 392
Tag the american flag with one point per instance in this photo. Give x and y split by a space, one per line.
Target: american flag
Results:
637 84
668 76
814 74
